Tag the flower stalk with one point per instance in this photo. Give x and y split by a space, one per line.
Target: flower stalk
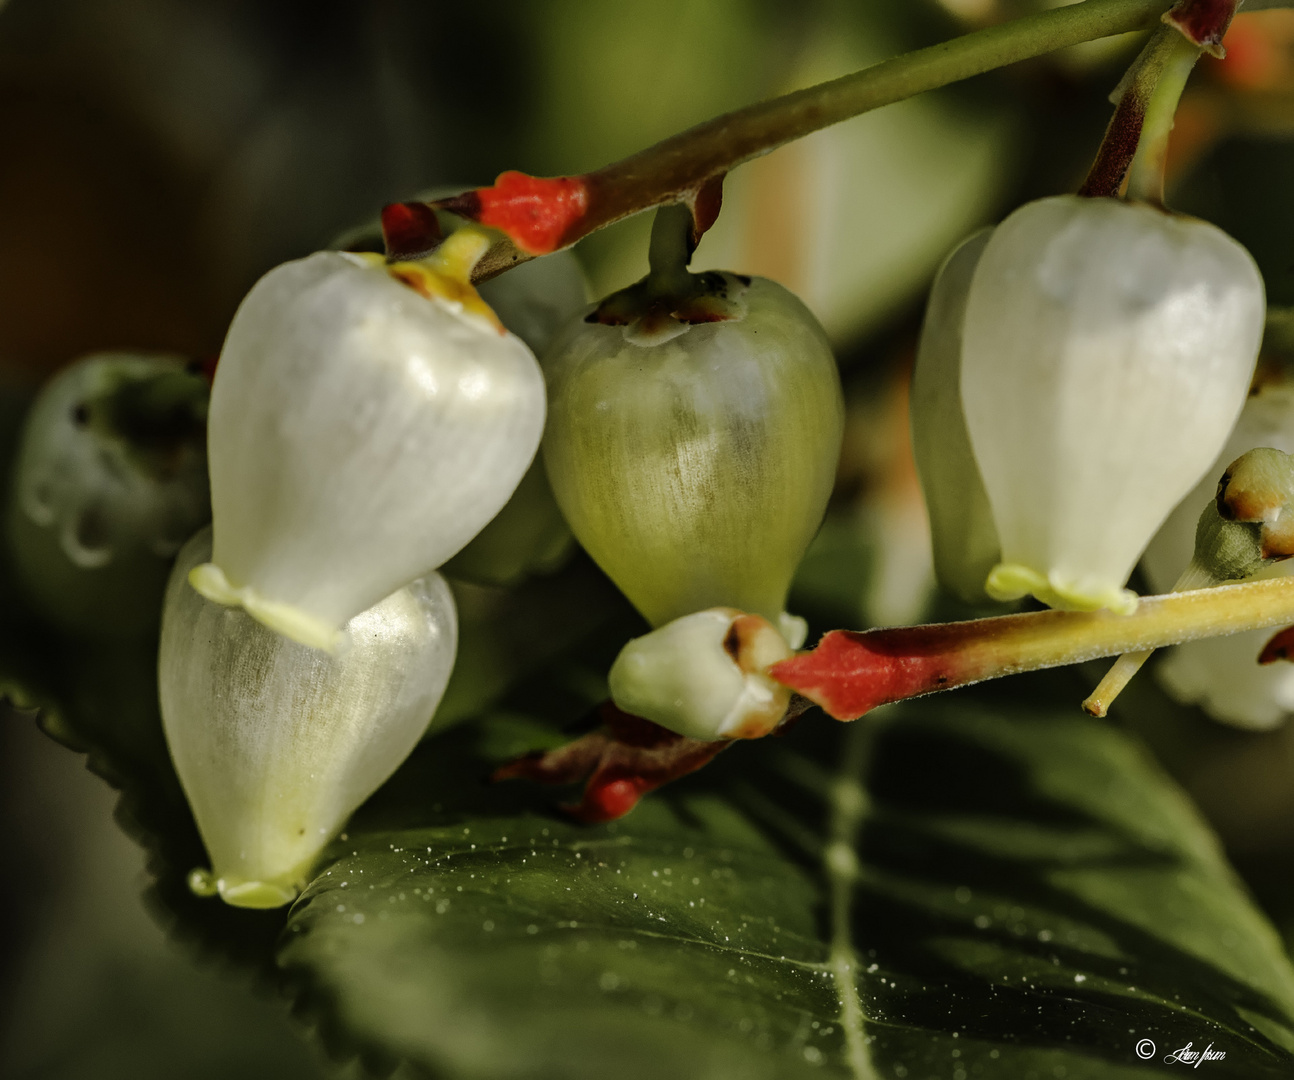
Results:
540 215
849 673
1135 146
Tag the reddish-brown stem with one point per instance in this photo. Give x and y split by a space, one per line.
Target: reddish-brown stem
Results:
1118 148
409 230
1203 23
850 673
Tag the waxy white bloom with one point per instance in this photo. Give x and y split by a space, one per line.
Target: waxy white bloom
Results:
1106 353
962 532
703 676
277 743
695 464
1222 674
362 430
111 479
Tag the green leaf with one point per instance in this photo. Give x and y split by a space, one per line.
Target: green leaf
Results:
1023 893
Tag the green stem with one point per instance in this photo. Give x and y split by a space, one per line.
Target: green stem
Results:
1131 101
681 163
1176 61
675 169
670 252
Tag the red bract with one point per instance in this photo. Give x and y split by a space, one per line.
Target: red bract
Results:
623 760
851 673
537 213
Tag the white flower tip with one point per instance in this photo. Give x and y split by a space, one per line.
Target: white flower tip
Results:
1011 581
704 676
286 619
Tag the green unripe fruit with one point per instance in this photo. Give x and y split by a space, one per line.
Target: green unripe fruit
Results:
694 461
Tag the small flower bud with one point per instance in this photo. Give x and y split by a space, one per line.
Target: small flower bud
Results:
277 743
1107 351
961 520
1222 675
362 430
703 676
111 479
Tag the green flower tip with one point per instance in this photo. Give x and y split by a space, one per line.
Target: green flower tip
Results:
286 619
246 894
1011 581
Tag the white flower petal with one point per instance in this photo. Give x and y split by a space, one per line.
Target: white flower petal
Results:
1107 351
961 520
276 743
360 434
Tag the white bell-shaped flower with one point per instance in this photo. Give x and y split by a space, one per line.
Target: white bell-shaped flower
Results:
366 422
962 532
1222 675
111 479
703 676
1106 353
276 743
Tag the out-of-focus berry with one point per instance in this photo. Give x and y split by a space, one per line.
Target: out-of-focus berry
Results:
111 479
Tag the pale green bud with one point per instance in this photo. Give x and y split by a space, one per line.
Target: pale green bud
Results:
703 676
695 470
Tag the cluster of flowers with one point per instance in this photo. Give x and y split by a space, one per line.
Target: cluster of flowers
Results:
1081 368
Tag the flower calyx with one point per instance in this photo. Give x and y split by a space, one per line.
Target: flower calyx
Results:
444 274
1203 23
652 316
